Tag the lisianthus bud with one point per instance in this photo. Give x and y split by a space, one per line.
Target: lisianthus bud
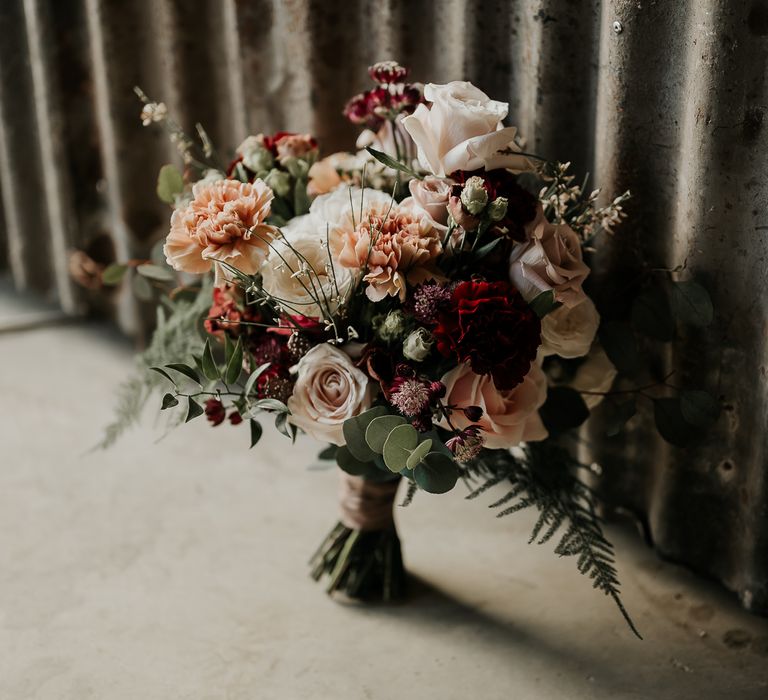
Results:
392 326
387 72
279 182
418 345
474 195
437 390
460 215
497 209
257 158
298 167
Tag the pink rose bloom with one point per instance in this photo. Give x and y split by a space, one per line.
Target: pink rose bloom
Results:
550 260
432 195
224 221
509 417
294 146
396 244
329 389
462 130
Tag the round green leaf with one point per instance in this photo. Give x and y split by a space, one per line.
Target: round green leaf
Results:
652 316
620 345
399 445
436 473
354 433
169 183
617 414
692 304
699 408
421 450
113 274
378 431
563 410
348 463
671 424
169 401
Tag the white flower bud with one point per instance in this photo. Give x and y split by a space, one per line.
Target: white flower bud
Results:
418 345
497 209
474 196
279 182
392 326
257 158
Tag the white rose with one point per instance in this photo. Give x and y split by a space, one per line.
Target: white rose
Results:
329 389
569 331
462 130
550 260
596 374
322 287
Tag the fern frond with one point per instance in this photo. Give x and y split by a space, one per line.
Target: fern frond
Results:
544 477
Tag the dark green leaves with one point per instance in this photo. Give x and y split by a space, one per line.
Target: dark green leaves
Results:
113 274
437 473
544 303
563 410
234 362
156 272
620 345
169 183
186 370
617 414
208 364
169 401
256 431
682 420
391 162
692 303
194 410
354 433
699 408
301 200
652 314
349 463
328 453
400 442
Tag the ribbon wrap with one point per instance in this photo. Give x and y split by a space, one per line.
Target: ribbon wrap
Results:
366 505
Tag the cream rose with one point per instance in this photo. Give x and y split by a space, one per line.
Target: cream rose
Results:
329 389
431 194
569 331
299 270
462 130
595 374
509 417
550 260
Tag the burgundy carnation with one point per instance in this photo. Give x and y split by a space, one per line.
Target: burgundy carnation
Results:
492 327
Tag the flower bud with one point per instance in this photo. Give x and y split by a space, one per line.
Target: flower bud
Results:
279 182
497 209
418 345
258 158
473 413
460 216
437 390
392 326
474 195
298 167
387 72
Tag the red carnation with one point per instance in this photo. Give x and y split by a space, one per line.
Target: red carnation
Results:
489 325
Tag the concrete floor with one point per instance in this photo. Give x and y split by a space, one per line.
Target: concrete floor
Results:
177 569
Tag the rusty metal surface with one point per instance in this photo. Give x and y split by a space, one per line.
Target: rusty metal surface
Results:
663 97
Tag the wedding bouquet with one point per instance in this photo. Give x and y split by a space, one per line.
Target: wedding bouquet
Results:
418 306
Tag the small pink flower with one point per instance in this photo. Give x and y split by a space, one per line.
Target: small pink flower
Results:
224 221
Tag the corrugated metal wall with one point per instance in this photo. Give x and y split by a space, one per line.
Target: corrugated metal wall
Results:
664 97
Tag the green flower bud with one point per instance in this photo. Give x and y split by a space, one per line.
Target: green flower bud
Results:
418 345
392 326
474 196
298 167
497 209
279 182
258 158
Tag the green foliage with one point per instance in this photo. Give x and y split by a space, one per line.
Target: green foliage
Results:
544 478
617 414
256 431
563 410
436 473
156 272
544 303
169 401
391 162
683 420
620 345
691 303
379 429
169 183
652 314
176 336
328 453
354 433
113 274
194 410
400 443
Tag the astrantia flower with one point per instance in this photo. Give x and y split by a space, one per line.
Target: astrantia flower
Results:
489 325
224 221
467 445
429 300
410 396
394 244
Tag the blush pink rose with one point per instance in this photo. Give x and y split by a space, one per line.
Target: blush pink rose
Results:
432 194
509 417
550 260
224 221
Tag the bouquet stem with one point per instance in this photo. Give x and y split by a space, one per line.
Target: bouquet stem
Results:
361 555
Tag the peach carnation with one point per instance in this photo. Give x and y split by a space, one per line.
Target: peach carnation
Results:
224 221
396 244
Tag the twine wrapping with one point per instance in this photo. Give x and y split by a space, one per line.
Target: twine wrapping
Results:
366 505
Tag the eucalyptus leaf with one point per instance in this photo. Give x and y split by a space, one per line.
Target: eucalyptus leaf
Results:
210 370
563 410
436 473
155 272
617 414
169 183
543 303
354 432
651 314
692 304
256 431
113 274
351 465
328 453
142 289
671 424
399 444
186 370
194 410
699 408
620 344
378 431
169 401
419 452
235 364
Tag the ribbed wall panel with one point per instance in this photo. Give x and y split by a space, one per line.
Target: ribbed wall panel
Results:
664 98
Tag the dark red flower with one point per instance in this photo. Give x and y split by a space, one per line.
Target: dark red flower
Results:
227 312
235 418
387 72
492 327
214 411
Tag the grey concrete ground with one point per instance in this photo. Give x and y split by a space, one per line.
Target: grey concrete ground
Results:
177 569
